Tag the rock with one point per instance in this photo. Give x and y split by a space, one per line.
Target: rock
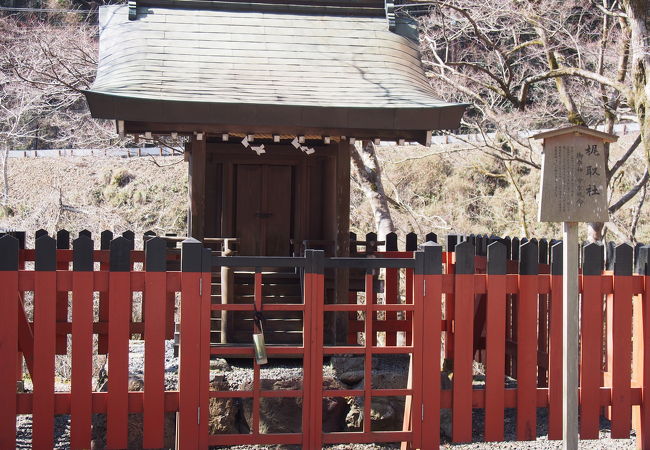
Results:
220 365
352 377
385 379
135 430
445 414
346 363
284 415
223 411
387 413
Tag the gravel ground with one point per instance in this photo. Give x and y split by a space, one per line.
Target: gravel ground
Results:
240 372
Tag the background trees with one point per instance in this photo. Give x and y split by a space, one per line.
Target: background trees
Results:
543 64
523 65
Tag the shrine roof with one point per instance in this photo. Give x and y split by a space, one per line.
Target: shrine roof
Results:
243 64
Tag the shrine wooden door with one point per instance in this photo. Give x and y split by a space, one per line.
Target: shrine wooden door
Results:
264 211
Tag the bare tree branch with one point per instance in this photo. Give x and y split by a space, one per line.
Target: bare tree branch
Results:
631 193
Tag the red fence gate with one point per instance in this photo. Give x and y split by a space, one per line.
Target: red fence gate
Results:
433 304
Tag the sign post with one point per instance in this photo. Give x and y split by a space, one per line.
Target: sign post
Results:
573 190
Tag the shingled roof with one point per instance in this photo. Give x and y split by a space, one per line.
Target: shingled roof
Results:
269 65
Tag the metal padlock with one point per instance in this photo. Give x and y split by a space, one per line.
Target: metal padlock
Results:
258 343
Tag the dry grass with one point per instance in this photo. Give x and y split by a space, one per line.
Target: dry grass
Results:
450 192
97 194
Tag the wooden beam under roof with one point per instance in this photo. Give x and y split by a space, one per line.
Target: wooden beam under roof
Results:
368 8
232 130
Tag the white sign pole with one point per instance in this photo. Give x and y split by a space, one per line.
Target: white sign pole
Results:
573 190
570 337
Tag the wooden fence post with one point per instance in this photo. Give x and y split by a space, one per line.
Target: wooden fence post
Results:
619 310
527 342
8 338
642 422
102 338
452 241
62 243
431 313
495 341
463 343
130 236
187 435
44 342
204 363
555 344
155 292
119 333
82 343
314 295
411 242
391 289
591 340
542 337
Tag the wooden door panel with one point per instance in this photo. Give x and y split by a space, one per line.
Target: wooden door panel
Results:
248 203
278 218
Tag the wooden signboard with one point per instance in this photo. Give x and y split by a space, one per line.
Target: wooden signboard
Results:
574 183
573 189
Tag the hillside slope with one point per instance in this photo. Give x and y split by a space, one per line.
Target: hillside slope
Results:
438 189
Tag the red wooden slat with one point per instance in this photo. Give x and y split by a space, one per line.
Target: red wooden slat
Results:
590 356
449 258
170 309
429 381
62 400
643 430
8 351
102 339
204 371
118 359
82 351
527 357
407 422
370 337
256 368
44 349
414 402
188 429
260 439
62 308
509 336
367 438
25 341
154 360
352 316
542 342
621 302
514 332
555 360
463 357
495 346
408 280
318 290
391 294
25 334
307 362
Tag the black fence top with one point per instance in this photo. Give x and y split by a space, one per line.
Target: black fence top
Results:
530 254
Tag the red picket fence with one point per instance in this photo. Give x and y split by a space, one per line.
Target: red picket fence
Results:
429 295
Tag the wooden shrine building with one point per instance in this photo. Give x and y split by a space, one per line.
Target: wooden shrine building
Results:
272 93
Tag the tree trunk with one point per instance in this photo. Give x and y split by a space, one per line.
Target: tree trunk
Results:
5 176
595 231
640 101
369 172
